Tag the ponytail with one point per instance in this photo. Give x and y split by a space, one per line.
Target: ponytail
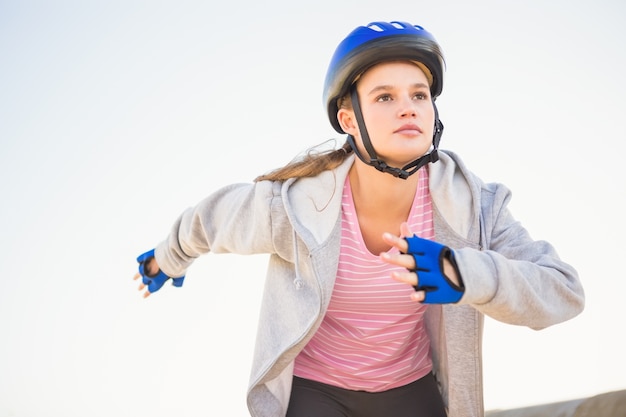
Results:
311 164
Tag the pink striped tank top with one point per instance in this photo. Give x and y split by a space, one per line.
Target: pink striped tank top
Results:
372 337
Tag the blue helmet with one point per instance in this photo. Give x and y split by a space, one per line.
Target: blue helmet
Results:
378 42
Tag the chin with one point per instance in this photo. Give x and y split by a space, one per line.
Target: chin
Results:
409 157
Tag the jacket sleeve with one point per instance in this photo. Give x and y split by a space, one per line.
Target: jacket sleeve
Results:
516 279
235 219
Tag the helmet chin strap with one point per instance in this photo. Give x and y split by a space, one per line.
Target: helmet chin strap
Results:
407 170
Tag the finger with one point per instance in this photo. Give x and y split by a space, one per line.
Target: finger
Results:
405 277
399 259
136 276
418 296
396 241
411 279
146 294
405 230
141 286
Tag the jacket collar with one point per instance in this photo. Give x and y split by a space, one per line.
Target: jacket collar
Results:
452 193
313 204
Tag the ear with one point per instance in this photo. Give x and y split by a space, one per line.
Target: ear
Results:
347 121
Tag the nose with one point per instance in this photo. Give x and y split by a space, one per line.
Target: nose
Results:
407 108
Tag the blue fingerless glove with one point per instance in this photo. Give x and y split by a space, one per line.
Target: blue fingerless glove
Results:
155 282
429 256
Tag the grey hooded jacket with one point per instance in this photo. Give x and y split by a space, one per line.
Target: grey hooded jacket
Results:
507 275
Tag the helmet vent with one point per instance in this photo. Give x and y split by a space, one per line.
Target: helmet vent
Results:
376 28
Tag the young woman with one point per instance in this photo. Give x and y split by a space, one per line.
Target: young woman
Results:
384 254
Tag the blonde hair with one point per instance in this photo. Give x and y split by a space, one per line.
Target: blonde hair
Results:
314 162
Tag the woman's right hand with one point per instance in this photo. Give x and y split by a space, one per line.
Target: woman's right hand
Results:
151 268
152 278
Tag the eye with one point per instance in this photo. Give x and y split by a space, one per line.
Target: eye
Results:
384 97
421 96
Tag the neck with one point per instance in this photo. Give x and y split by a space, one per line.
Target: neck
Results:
379 193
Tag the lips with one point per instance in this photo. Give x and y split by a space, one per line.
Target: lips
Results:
409 129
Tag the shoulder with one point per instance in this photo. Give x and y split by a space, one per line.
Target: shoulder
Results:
323 185
461 197
313 204
453 169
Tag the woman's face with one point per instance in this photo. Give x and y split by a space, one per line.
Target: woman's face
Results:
397 110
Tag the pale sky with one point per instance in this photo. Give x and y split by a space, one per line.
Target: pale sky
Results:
116 116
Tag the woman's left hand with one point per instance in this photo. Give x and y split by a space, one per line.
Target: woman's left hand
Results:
407 261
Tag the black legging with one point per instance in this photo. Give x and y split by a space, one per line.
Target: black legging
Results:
314 399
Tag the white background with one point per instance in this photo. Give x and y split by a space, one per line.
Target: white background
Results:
117 115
